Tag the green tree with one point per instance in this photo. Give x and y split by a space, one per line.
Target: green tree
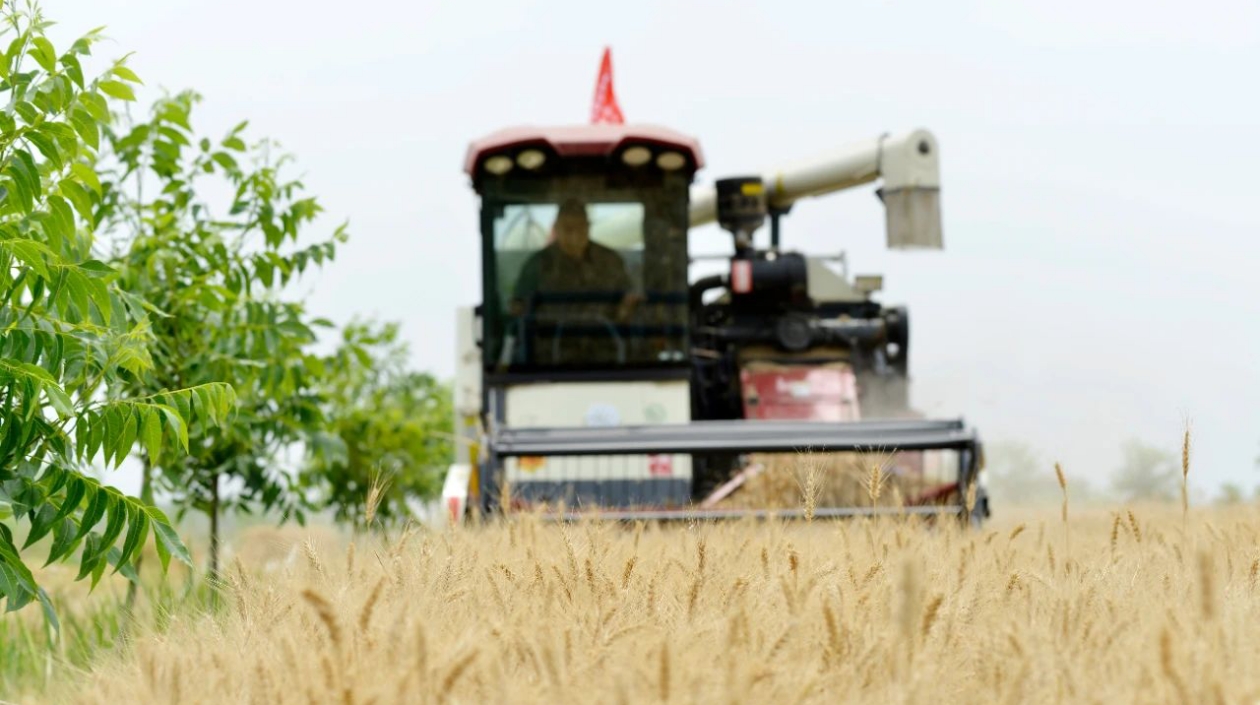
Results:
214 276
1231 493
69 335
1147 473
1017 474
391 429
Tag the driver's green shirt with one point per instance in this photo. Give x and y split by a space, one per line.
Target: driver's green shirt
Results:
551 271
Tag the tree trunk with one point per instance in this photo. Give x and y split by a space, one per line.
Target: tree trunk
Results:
214 528
146 496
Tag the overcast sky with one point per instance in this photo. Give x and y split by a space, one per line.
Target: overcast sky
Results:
1099 168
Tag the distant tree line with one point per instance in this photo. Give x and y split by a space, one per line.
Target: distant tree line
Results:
1018 474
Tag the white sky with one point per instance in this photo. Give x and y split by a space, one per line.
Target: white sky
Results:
1099 171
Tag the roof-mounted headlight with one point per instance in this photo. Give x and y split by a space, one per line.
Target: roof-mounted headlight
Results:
636 156
531 159
671 161
499 164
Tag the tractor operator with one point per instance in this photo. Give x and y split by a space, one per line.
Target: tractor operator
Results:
572 264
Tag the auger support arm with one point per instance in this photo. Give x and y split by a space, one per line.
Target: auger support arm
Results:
906 165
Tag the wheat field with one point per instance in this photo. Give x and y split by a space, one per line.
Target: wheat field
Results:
1145 605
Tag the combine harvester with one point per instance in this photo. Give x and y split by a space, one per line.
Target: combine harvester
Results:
597 377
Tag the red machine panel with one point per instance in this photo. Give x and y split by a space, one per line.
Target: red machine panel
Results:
800 392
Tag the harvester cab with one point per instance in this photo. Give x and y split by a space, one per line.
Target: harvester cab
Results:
595 376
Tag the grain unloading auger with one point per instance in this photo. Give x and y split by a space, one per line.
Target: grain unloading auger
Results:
595 376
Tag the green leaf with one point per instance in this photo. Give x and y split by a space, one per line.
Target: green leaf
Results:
78 197
85 124
99 293
60 225
77 285
73 69
165 539
117 89
8 581
113 432
126 74
225 160
137 530
98 570
29 113
25 176
151 434
183 402
19 574
16 580
75 489
96 267
96 437
31 253
64 541
38 372
176 426
43 523
97 504
43 53
126 568
50 614
86 175
173 135
117 520
96 105
201 410
90 556
128 438
60 400
46 147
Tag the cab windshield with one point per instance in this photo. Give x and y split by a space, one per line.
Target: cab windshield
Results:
584 275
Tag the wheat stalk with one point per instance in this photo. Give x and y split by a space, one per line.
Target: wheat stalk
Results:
930 613
369 606
911 592
1063 486
810 486
663 674
377 486
312 558
1185 474
1207 586
452 676
1115 535
1133 524
327 615
875 484
1168 663
628 571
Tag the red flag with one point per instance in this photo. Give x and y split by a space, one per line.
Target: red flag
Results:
605 108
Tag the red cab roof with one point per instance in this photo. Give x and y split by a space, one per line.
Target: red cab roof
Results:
582 140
